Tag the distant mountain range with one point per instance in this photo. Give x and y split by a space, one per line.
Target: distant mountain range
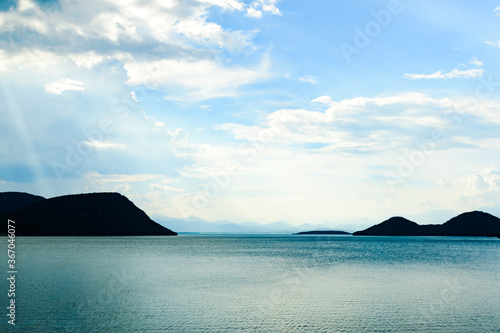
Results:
195 224
91 214
467 224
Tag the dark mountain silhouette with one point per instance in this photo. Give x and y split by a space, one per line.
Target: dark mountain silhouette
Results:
92 214
323 232
473 224
392 227
467 224
12 201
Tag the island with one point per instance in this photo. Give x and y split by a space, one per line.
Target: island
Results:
474 223
323 232
89 214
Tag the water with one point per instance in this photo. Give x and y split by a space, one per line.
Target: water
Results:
271 283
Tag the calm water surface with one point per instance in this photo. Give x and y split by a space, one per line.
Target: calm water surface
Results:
256 283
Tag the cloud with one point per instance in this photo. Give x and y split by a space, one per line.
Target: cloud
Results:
360 125
59 86
436 75
104 144
495 44
475 61
324 100
161 36
200 80
252 12
87 59
112 26
484 181
454 74
108 27
309 79
467 74
497 11
256 8
123 178
122 188
481 189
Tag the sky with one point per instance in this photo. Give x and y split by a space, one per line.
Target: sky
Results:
303 111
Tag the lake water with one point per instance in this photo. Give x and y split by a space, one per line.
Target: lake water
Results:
256 283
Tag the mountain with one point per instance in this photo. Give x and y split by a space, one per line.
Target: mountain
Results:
12 201
467 224
393 227
91 214
196 224
473 224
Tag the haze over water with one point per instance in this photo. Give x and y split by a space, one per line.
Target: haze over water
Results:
258 283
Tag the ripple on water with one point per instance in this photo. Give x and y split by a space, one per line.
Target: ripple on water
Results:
258 283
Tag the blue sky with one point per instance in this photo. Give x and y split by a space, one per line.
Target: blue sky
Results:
320 112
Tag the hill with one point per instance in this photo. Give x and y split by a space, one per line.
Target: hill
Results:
92 214
467 224
472 224
12 201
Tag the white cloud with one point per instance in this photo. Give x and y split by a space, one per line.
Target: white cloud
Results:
123 178
34 59
436 75
80 25
227 4
104 144
324 100
202 32
361 125
201 79
112 21
256 8
309 79
252 12
475 61
496 44
122 188
87 59
476 185
467 74
497 11
481 189
59 86
162 35
454 74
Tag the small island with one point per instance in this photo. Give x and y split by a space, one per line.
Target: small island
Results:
323 232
